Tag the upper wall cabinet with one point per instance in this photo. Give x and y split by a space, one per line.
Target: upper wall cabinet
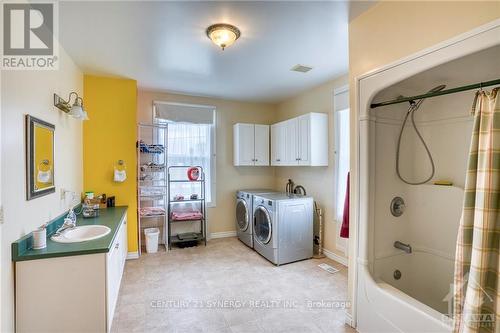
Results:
300 141
251 144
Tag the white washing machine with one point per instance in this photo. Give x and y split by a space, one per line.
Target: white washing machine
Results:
283 227
244 214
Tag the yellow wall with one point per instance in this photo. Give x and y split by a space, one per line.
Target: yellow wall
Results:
109 136
318 181
229 178
394 29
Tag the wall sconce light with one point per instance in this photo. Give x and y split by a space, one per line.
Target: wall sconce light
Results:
76 110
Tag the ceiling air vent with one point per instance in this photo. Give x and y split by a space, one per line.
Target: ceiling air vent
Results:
301 68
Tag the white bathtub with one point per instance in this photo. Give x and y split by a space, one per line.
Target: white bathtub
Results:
425 276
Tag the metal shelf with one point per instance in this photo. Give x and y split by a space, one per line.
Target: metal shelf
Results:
190 220
173 239
152 177
187 181
187 200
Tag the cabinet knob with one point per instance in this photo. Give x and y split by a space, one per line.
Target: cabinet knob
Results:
278 160
256 160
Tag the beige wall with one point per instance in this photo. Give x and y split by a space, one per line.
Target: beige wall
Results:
395 29
229 178
31 92
318 181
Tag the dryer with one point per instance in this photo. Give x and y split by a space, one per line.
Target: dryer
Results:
283 227
244 214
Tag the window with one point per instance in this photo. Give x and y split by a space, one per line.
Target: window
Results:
191 141
341 167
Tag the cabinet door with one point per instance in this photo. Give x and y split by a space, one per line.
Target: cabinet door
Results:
304 140
261 153
291 153
244 137
114 269
278 143
274 144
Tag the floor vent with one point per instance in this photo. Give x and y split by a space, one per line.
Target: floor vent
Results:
328 268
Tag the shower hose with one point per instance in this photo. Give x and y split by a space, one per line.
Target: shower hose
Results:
411 113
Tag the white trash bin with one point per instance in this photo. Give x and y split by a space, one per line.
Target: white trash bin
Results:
152 236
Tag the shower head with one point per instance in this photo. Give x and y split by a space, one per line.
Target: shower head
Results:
415 105
438 88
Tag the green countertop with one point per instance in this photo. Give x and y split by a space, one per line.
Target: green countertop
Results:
111 217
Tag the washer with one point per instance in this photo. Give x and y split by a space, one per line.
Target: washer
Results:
283 227
244 214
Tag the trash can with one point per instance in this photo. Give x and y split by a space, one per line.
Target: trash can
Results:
152 235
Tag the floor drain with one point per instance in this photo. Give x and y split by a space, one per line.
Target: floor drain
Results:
397 274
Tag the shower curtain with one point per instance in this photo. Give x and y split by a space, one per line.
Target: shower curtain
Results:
477 255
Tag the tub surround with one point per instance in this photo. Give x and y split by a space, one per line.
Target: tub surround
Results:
111 217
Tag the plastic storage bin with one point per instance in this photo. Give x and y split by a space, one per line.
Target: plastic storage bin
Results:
152 236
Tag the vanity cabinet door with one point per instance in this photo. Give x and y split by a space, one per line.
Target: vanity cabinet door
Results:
115 265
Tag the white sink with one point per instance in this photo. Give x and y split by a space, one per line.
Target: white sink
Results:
82 234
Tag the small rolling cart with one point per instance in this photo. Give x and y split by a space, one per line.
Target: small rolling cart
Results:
186 204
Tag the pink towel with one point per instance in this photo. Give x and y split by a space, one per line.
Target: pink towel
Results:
183 216
344 230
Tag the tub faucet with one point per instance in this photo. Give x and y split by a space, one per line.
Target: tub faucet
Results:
402 246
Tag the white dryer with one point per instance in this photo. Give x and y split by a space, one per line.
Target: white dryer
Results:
244 214
283 227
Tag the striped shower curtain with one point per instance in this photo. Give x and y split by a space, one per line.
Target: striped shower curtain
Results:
476 301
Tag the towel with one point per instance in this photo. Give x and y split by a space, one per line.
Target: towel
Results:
186 216
344 230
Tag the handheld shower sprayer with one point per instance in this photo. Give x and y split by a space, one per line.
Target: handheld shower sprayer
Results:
414 106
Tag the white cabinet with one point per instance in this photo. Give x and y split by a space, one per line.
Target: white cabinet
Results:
300 141
115 263
71 294
278 152
251 144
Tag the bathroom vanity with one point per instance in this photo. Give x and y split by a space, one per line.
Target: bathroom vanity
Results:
69 287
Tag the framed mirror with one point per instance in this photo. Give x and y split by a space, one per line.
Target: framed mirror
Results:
39 158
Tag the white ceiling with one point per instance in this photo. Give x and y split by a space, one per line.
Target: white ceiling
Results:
164 47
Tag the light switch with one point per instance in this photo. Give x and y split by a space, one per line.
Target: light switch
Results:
1 214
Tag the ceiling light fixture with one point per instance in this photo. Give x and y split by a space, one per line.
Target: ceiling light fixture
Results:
76 110
223 35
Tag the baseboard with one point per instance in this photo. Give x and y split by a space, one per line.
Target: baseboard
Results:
348 319
222 234
133 255
335 257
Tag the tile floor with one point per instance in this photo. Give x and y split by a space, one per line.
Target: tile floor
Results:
227 287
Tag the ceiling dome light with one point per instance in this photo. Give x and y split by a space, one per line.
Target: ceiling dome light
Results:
223 35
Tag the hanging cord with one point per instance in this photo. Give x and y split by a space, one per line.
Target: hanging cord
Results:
411 111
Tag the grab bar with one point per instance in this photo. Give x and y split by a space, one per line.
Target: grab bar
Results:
402 246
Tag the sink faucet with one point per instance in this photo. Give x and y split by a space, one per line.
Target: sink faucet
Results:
69 223
402 246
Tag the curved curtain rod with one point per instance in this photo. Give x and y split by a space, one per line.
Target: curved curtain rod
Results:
437 93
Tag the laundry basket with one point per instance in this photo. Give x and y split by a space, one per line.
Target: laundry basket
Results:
152 236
